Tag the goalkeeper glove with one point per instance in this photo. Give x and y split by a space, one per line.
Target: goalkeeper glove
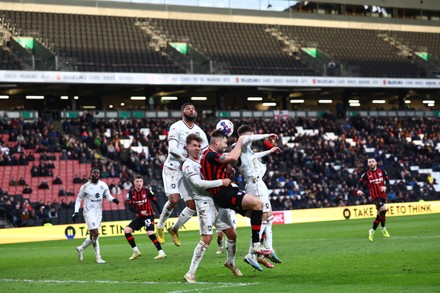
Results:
116 201
74 217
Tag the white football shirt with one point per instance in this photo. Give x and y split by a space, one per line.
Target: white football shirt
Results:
178 132
93 195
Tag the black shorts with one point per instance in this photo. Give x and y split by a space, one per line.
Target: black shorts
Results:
379 202
230 198
139 222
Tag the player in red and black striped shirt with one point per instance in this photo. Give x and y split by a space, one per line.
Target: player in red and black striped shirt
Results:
139 201
378 184
215 165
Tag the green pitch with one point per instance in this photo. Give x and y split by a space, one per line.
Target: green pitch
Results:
317 257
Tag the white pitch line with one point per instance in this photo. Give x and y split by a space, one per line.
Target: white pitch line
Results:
213 288
220 284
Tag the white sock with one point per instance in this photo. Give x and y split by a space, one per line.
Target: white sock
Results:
164 215
250 246
263 227
161 252
268 240
199 251
184 216
86 243
231 248
97 250
136 249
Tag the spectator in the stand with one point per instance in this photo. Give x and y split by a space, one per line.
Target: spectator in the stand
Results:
15 215
42 213
30 157
57 180
21 181
34 171
53 213
115 189
63 156
27 190
13 182
76 179
62 191
43 185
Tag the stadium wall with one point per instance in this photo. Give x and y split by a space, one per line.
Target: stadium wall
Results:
78 231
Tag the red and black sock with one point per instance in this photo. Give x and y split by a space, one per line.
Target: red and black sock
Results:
376 222
155 242
256 225
130 239
383 218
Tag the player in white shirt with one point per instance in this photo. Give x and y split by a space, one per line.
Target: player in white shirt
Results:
209 215
93 193
253 171
172 173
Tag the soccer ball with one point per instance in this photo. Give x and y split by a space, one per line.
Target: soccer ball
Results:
225 126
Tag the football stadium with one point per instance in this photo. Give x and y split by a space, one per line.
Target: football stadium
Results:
317 122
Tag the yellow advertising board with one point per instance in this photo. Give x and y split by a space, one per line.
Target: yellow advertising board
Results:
76 231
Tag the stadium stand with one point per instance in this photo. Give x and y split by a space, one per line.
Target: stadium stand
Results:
124 44
92 43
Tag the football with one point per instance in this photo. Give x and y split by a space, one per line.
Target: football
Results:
225 126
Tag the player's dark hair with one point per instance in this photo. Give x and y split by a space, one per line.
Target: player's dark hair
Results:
186 104
138 177
95 170
192 137
245 128
217 134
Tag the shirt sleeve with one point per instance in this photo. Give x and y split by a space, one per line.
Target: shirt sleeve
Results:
360 182
79 198
106 192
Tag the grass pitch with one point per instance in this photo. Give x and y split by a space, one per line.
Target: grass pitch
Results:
317 257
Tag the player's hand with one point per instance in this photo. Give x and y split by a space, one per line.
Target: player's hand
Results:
116 201
275 150
273 136
74 217
230 170
360 193
226 182
383 188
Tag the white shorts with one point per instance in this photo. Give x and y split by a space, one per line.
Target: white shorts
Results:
93 220
259 189
172 180
209 217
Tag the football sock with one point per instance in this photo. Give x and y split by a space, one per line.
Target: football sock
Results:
383 218
165 214
268 233
262 230
231 248
130 239
376 222
184 216
199 251
155 241
86 243
97 250
256 225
